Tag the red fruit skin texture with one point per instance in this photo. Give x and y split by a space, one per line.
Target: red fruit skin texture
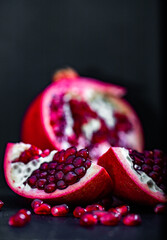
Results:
96 184
126 185
132 220
60 210
43 209
35 125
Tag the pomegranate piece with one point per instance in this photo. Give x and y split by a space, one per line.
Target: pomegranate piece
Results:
20 219
110 219
36 203
85 112
79 211
132 220
160 208
88 220
133 175
1 204
94 207
43 209
60 210
55 177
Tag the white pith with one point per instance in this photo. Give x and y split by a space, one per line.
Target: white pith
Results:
143 177
20 171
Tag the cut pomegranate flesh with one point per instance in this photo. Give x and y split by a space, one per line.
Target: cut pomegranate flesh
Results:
139 177
63 176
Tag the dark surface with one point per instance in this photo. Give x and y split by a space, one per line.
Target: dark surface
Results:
116 41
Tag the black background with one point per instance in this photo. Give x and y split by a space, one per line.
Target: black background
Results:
116 41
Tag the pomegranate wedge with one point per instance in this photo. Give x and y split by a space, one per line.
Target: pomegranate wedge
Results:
139 177
82 112
67 176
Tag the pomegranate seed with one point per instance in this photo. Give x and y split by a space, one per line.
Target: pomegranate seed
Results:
68 168
94 207
87 164
50 178
49 188
70 159
44 166
70 178
52 165
79 211
20 219
27 213
43 174
132 220
60 210
59 175
1 204
70 151
61 184
82 153
160 208
36 203
45 153
78 162
88 220
123 210
43 209
99 213
41 183
59 156
110 219
32 180
80 171
113 210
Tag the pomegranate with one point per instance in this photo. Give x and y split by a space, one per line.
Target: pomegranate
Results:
83 112
63 177
139 177
132 219
43 209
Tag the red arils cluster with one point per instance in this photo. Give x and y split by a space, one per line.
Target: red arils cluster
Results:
66 168
32 153
20 219
41 208
153 163
1 204
92 214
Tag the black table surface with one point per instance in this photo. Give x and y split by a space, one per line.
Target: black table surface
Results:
48 227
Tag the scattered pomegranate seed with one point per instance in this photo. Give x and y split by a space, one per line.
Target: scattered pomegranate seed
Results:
43 209
79 211
60 210
160 208
123 210
99 213
36 203
1 204
94 207
110 219
88 220
132 219
20 219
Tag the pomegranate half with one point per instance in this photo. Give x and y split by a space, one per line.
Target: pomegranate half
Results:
82 112
139 177
63 177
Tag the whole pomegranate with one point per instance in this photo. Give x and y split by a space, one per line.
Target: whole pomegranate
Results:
82 112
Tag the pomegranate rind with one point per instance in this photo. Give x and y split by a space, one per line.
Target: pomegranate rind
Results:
126 182
94 185
36 128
